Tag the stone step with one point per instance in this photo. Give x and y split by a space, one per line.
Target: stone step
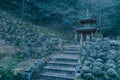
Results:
59 71
72 46
66 56
62 66
70 49
56 76
66 59
69 70
71 52
62 63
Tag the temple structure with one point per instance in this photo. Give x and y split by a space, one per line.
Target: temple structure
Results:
87 29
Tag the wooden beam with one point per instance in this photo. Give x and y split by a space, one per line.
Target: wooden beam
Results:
75 36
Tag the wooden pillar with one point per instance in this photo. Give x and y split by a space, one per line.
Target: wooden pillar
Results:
92 34
75 36
81 38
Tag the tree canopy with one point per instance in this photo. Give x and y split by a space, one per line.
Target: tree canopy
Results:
63 14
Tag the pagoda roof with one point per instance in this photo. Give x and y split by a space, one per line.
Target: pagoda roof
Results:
88 20
86 29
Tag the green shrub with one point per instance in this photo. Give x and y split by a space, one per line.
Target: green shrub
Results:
6 71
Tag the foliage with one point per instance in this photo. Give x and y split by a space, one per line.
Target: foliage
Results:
62 15
6 71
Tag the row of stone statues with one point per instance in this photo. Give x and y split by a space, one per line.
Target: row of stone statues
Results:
26 36
98 61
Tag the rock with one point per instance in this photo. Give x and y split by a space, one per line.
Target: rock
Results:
104 56
111 72
98 72
110 65
99 60
118 61
100 55
90 59
105 47
115 45
93 55
84 53
110 56
86 69
87 76
97 48
87 63
98 64
111 61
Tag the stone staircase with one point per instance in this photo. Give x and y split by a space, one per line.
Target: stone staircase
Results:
62 66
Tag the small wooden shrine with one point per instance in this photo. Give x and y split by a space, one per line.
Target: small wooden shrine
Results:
87 29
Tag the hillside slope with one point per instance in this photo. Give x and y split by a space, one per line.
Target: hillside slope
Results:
62 15
24 35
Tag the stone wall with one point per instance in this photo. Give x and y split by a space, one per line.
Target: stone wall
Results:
33 71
